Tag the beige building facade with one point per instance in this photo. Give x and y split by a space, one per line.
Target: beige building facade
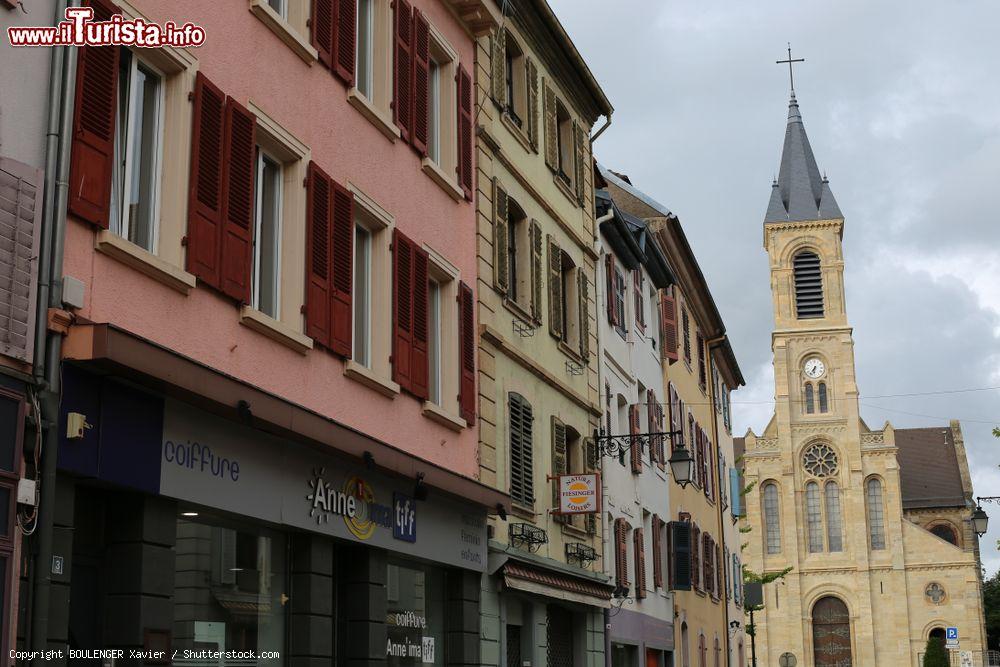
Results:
874 523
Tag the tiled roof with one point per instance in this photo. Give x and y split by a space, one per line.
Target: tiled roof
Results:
929 475
557 580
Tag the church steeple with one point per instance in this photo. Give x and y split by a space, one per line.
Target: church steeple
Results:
800 193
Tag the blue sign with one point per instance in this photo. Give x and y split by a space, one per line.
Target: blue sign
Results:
951 634
404 525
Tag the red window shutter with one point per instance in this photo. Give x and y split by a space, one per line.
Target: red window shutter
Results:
402 309
319 196
651 423
420 361
465 145
345 37
402 102
93 149
657 526
421 76
321 22
609 274
621 553
342 270
238 202
205 192
668 319
467 345
636 448
639 548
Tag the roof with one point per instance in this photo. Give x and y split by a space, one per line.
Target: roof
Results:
799 193
929 474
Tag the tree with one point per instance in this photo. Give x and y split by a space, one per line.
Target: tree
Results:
991 610
935 654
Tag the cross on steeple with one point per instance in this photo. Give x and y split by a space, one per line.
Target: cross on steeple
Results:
790 60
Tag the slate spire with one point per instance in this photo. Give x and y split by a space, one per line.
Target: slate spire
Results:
800 193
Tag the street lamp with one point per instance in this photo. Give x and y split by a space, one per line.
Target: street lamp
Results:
980 521
681 465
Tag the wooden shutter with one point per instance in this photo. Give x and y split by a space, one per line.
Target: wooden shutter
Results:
501 269
467 350
720 572
556 325
342 271
402 309
402 100
584 309
535 234
319 194
421 77
420 361
240 157
695 560
531 74
21 196
668 322
551 128
621 553
680 555
651 427
345 40
633 429
609 279
639 548
559 465
640 316
498 67
465 144
657 527
521 450
322 30
205 190
92 154
580 161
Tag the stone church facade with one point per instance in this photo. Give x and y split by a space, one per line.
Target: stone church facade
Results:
874 523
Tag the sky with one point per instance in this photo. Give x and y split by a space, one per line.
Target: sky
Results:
900 101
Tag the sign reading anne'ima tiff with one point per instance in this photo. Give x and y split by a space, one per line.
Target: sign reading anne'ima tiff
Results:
579 494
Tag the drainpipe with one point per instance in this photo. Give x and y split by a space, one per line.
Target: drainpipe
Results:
707 351
48 349
607 124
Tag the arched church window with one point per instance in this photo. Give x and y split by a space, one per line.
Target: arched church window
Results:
823 404
876 518
834 530
820 460
808 285
772 527
946 533
814 518
810 407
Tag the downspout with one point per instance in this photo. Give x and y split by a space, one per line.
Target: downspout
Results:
47 368
721 516
607 124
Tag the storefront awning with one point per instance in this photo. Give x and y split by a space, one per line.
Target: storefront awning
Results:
549 583
111 350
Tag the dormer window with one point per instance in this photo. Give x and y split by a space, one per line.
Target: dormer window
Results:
808 285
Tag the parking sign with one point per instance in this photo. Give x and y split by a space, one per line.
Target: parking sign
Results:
951 637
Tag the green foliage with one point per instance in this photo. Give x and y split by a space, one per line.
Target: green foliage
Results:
996 431
935 654
991 609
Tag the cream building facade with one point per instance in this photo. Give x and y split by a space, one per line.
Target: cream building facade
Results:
874 523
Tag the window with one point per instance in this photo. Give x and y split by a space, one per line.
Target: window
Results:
362 294
414 591
280 7
808 285
834 531
876 527
814 518
514 81
620 302
442 96
946 532
137 152
772 526
521 464
702 379
686 326
823 406
809 399
517 243
434 110
639 305
444 368
434 344
820 460
564 144
365 68
266 284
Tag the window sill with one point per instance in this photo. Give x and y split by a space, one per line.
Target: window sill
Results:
572 353
523 511
126 252
519 312
375 115
285 32
574 531
436 413
370 379
434 170
517 131
275 330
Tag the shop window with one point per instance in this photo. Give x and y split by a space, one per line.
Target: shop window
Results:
230 581
414 614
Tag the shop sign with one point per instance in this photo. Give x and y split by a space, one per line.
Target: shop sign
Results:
406 639
354 501
405 511
579 494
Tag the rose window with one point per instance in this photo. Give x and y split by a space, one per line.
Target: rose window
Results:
820 460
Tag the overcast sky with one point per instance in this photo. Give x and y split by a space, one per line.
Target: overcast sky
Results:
900 101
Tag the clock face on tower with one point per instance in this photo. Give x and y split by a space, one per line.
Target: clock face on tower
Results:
814 368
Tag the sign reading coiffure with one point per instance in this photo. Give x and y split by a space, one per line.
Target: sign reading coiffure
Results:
217 463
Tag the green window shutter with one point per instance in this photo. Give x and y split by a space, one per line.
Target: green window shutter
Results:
551 129
580 138
536 271
559 464
584 292
498 62
531 72
555 290
501 271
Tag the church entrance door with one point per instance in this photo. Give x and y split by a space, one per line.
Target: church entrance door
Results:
831 633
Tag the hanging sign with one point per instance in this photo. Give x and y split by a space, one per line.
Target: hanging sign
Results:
579 494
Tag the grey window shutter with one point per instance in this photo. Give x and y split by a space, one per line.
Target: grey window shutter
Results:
555 289
536 271
521 474
20 223
498 58
531 72
501 271
551 129
581 161
584 293
559 464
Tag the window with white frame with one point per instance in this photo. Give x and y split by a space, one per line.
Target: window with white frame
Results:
434 342
365 61
442 325
362 297
280 7
265 286
138 150
434 110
